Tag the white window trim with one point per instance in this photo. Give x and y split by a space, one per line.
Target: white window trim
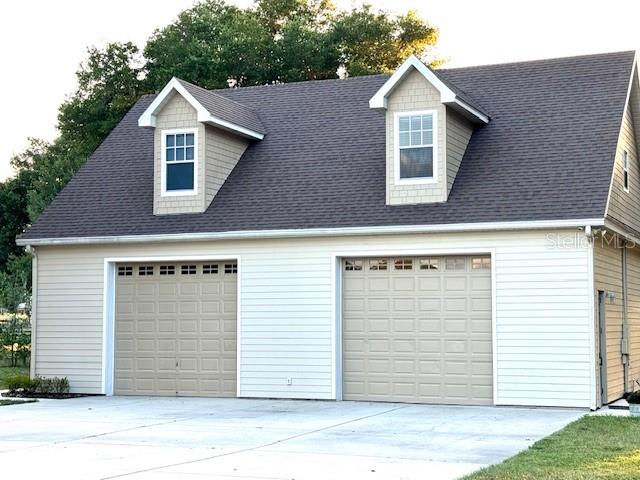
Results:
396 149
625 171
163 163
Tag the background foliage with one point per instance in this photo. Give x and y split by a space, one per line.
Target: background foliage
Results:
214 45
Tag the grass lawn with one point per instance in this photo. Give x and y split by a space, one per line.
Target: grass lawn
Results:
592 448
5 401
6 372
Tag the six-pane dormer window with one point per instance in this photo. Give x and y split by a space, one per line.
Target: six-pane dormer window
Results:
415 151
179 158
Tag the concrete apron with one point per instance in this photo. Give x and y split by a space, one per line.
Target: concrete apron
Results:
166 438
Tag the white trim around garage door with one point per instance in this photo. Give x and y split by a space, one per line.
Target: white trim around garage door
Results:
336 302
108 319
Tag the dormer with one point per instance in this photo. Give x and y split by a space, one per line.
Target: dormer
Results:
199 136
428 126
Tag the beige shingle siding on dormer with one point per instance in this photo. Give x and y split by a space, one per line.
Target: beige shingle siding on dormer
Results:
414 93
459 131
223 150
177 113
624 206
218 152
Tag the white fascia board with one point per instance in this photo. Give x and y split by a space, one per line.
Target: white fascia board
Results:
447 96
320 232
148 118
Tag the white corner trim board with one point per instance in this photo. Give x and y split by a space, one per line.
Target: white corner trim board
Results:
317 232
148 118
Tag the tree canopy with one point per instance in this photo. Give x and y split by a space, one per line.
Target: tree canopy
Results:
214 45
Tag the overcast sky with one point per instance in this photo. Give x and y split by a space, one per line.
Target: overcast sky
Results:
42 42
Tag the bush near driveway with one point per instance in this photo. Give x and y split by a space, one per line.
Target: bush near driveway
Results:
592 448
9 372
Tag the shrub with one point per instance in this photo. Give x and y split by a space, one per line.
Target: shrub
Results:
39 385
634 397
18 382
61 385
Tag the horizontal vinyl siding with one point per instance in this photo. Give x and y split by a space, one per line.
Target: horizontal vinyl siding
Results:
543 323
633 292
608 278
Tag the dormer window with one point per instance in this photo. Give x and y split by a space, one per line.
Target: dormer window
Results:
416 147
179 159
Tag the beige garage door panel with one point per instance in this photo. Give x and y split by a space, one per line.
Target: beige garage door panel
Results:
418 329
176 329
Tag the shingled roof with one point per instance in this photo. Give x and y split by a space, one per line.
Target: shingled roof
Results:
547 154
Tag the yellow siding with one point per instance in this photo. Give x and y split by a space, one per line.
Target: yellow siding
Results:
222 152
633 291
608 278
625 206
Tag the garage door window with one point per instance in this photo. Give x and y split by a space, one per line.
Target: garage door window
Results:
378 264
125 271
167 270
188 269
456 263
480 263
230 268
208 269
429 264
145 270
403 264
353 265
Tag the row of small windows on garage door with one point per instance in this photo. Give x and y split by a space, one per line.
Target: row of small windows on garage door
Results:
423 263
186 269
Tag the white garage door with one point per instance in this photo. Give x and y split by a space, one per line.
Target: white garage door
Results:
417 329
175 329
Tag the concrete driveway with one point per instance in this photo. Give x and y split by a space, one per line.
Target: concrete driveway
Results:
191 438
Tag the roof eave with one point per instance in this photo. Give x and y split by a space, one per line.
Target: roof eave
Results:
148 117
447 96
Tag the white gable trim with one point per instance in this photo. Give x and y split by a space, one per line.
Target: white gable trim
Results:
148 118
447 96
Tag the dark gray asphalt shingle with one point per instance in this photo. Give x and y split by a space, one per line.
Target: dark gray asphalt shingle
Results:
546 154
225 108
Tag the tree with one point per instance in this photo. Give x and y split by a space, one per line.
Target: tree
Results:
108 86
373 42
15 282
216 45
13 213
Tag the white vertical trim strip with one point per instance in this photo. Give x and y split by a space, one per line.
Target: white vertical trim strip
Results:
494 326
592 327
108 327
34 313
238 328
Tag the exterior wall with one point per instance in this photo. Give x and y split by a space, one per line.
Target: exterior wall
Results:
459 131
544 353
412 94
222 152
608 274
607 259
625 206
177 113
633 305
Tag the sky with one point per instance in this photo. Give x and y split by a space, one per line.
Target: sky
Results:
42 42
